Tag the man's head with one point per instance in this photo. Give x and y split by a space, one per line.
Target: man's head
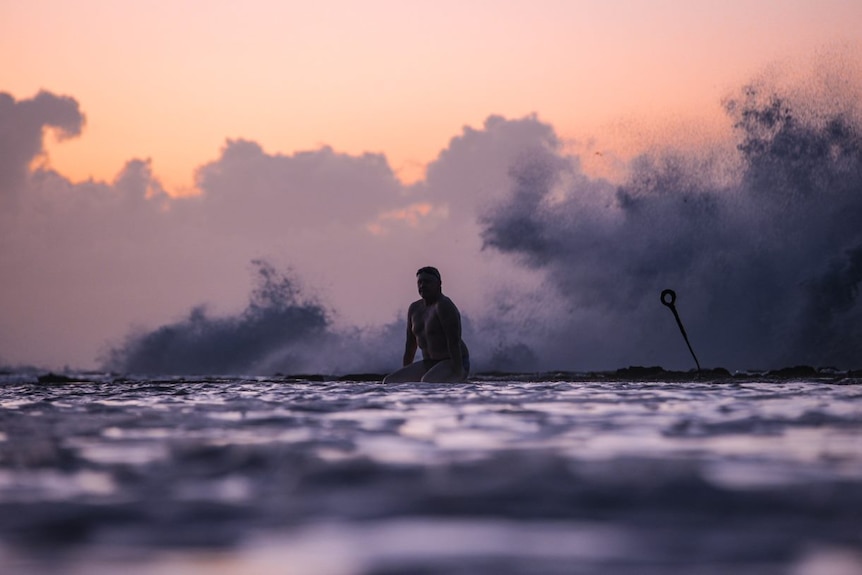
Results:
428 282
429 270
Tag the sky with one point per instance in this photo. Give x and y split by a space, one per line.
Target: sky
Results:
171 81
154 150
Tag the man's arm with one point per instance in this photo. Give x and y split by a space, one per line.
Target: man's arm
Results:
410 345
451 320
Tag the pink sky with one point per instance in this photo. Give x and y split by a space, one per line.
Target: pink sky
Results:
170 80
293 117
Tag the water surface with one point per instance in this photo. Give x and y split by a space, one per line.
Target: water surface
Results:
250 475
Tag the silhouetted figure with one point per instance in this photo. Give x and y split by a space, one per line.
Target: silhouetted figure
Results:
434 326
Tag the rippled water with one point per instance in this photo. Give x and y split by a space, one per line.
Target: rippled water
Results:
278 475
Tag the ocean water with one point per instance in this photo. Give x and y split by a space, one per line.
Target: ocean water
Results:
544 473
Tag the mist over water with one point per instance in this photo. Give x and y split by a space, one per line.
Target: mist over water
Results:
552 268
763 248
272 329
280 330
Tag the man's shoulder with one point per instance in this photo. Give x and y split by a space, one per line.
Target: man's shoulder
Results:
446 303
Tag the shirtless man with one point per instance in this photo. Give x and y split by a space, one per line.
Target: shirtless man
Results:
434 326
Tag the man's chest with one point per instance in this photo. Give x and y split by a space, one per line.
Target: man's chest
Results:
425 320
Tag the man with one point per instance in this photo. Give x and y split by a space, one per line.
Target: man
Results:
434 326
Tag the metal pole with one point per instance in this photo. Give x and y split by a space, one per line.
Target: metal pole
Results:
668 298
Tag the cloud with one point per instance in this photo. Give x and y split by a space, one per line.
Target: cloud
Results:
473 169
552 269
342 217
88 261
249 187
23 129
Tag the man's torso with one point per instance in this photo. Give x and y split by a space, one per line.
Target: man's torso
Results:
428 328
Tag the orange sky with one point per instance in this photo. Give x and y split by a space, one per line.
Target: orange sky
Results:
171 80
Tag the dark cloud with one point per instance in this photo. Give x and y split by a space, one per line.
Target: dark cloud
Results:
22 128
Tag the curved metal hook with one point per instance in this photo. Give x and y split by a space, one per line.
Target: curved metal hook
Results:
668 298
670 293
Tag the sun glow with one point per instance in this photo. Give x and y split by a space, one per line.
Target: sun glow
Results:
413 216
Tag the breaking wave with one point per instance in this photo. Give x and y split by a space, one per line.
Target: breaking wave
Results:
763 245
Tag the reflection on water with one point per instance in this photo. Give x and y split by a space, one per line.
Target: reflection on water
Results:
249 475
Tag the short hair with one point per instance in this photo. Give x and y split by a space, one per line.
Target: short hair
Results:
430 270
